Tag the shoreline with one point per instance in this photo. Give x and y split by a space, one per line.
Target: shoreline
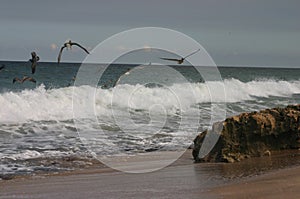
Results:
182 179
120 163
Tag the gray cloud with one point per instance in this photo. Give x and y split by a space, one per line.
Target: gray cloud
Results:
224 27
236 13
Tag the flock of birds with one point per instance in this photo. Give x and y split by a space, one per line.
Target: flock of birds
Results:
34 59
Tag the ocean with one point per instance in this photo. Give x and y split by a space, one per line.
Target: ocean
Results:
38 132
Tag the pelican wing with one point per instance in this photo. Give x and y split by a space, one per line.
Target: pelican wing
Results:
76 44
24 79
170 59
32 80
29 79
60 52
191 53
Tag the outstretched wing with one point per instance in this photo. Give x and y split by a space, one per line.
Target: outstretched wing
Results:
170 59
191 53
60 52
32 80
76 44
127 73
129 70
2 67
29 79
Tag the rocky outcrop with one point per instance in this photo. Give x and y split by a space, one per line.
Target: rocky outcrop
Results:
253 134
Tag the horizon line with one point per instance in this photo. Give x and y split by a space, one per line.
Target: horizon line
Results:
226 65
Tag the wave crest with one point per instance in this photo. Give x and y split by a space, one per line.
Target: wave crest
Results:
56 104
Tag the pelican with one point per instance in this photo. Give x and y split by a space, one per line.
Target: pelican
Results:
34 59
69 45
25 78
180 61
119 79
129 70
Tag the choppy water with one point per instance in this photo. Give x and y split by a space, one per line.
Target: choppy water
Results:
37 131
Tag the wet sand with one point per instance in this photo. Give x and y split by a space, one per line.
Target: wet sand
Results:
253 178
284 183
177 181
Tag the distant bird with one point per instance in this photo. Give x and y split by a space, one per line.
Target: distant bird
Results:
128 71
180 61
33 61
69 45
2 67
25 78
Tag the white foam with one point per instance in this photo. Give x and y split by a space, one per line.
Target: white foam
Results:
27 154
56 104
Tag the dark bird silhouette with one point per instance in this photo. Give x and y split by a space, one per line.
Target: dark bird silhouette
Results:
25 78
69 45
2 67
34 59
180 61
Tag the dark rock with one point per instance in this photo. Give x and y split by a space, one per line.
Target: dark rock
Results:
253 134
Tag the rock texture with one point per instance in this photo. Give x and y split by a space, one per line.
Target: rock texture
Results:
254 134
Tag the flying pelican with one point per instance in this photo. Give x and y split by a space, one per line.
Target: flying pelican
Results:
69 45
25 78
129 70
33 61
180 61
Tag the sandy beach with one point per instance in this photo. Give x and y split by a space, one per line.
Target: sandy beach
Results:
278 184
177 181
182 179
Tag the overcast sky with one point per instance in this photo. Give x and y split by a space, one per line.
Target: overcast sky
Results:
234 32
